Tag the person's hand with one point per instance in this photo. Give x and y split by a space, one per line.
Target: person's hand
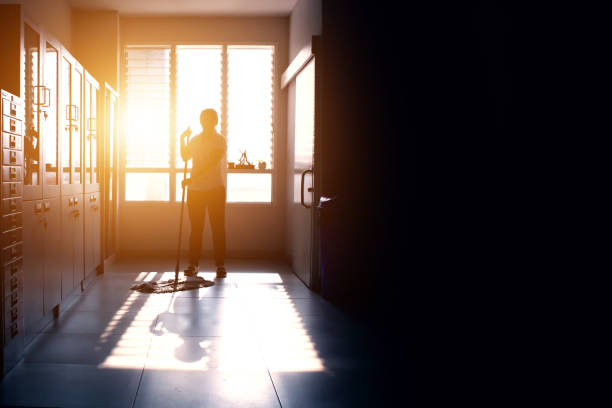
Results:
185 182
186 133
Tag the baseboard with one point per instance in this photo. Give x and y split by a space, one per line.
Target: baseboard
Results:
135 253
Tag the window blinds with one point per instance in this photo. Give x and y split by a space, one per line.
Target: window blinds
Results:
147 107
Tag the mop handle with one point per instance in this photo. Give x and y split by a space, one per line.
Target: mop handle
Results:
178 250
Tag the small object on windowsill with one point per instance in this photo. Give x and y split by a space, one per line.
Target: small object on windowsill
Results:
244 163
261 165
245 166
230 165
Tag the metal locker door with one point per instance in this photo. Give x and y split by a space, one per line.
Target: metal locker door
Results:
97 230
89 234
78 232
53 249
33 262
67 245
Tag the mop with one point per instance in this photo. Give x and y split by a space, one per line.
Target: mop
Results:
176 284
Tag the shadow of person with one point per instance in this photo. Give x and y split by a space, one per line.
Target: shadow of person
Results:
179 324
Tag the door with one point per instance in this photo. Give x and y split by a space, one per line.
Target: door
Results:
92 232
90 165
302 209
33 264
53 249
67 245
78 240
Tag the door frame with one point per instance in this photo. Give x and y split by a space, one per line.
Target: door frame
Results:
106 154
307 54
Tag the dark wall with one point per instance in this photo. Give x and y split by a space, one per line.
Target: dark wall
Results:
368 151
394 79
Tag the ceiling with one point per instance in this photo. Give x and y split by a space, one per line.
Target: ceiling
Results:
191 7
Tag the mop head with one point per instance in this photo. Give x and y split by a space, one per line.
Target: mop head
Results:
168 286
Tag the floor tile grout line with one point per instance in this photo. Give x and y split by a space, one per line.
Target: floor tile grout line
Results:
147 355
263 357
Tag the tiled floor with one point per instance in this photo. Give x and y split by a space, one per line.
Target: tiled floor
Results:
258 338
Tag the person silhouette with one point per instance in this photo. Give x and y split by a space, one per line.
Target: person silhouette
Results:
206 189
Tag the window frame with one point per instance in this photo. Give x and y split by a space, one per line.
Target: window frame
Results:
172 171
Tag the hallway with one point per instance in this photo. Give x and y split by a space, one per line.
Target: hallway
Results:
259 338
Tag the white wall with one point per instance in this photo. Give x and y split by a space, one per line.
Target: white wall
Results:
304 22
253 230
54 16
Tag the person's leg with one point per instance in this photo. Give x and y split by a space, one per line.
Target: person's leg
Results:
216 215
197 211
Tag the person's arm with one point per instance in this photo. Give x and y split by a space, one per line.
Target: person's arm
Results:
186 153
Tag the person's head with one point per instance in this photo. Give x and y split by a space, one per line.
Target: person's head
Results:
209 119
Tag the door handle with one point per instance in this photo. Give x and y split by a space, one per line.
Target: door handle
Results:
302 188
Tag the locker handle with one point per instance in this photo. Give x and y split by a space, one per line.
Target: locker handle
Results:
14 282
13 189
14 299
14 314
13 141
38 208
76 213
76 200
47 205
13 157
13 109
14 330
72 113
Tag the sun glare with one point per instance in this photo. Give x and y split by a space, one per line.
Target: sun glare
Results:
254 328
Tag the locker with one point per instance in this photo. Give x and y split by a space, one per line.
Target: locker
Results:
12 173
52 246
12 190
78 232
11 141
72 253
13 278
12 125
67 246
92 232
12 157
10 108
11 253
11 221
33 264
11 237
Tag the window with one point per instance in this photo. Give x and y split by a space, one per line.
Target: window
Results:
147 107
167 88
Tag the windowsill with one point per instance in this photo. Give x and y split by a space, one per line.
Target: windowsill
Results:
264 171
178 203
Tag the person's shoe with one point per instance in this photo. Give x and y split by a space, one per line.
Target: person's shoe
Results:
192 270
221 272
